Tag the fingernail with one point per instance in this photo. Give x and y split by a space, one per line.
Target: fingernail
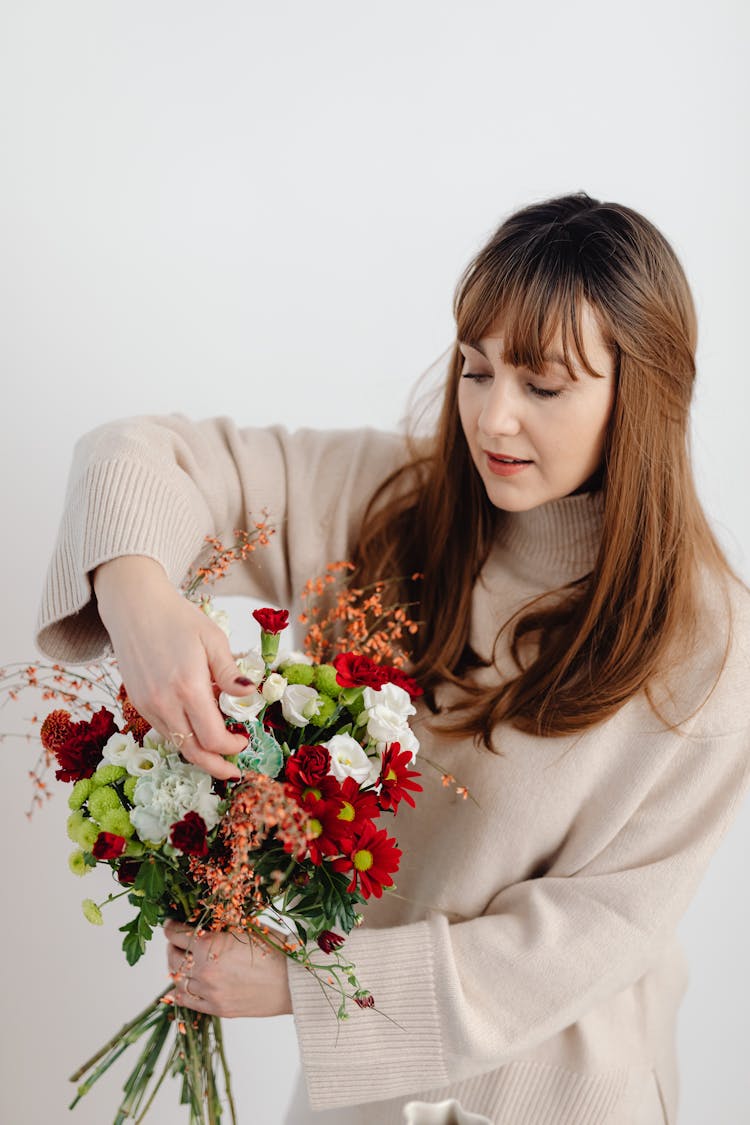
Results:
243 680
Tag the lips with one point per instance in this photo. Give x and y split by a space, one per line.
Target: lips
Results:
500 465
504 459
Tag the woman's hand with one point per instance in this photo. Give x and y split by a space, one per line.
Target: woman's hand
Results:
170 656
224 975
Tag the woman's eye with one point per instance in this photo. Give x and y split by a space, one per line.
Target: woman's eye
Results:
542 392
476 376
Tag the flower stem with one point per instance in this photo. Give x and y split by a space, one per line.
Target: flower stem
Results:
124 1030
219 1037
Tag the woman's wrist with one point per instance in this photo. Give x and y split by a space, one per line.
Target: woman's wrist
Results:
115 578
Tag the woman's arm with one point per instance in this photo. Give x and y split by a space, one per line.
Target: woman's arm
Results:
143 494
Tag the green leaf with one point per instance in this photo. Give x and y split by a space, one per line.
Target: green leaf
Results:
150 878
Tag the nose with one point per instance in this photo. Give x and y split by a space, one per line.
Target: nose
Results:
500 413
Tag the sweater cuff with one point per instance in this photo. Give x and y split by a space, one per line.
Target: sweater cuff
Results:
116 508
373 1054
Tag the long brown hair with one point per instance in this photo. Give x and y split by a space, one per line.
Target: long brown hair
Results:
606 636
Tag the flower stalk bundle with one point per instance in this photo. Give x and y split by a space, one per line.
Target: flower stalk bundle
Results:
282 857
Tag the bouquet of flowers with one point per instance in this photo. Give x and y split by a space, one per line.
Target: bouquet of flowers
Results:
284 855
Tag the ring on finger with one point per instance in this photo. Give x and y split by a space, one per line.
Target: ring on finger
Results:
177 737
194 995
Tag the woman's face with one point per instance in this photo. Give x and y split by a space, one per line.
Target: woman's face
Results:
535 438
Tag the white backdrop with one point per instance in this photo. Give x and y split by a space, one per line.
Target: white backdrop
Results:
261 210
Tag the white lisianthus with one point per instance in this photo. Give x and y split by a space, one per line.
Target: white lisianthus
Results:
252 665
299 703
293 657
154 741
274 688
168 794
119 749
407 740
388 709
219 616
142 761
242 707
348 759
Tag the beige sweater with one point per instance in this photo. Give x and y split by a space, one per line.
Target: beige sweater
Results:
529 969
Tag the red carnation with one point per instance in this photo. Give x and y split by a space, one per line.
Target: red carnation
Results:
395 778
328 941
400 679
353 670
108 846
81 752
127 871
373 858
308 766
189 835
272 620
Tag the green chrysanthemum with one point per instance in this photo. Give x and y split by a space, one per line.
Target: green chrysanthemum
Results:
91 912
299 674
88 834
326 709
75 823
325 681
77 863
117 821
79 793
129 789
107 773
103 800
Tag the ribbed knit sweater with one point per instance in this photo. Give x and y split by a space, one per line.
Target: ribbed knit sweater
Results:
527 965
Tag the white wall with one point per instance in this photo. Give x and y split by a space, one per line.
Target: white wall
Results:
261 210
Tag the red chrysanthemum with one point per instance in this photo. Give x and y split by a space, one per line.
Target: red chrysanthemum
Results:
56 729
81 752
272 620
373 858
357 806
308 765
189 835
395 778
108 846
328 941
326 789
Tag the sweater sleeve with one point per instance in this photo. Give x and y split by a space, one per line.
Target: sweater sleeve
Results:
467 997
157 485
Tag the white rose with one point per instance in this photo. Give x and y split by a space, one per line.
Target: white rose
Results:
119 748
274 687
219 616
252 665
242 707
299 703
348 759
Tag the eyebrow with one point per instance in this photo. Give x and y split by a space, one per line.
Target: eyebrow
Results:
554 357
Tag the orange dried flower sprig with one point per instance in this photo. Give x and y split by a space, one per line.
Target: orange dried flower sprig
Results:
359 618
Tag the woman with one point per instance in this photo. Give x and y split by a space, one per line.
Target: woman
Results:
584 655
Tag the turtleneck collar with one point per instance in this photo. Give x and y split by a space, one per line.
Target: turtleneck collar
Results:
558 541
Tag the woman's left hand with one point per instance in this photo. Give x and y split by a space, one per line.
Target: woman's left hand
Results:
226 975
